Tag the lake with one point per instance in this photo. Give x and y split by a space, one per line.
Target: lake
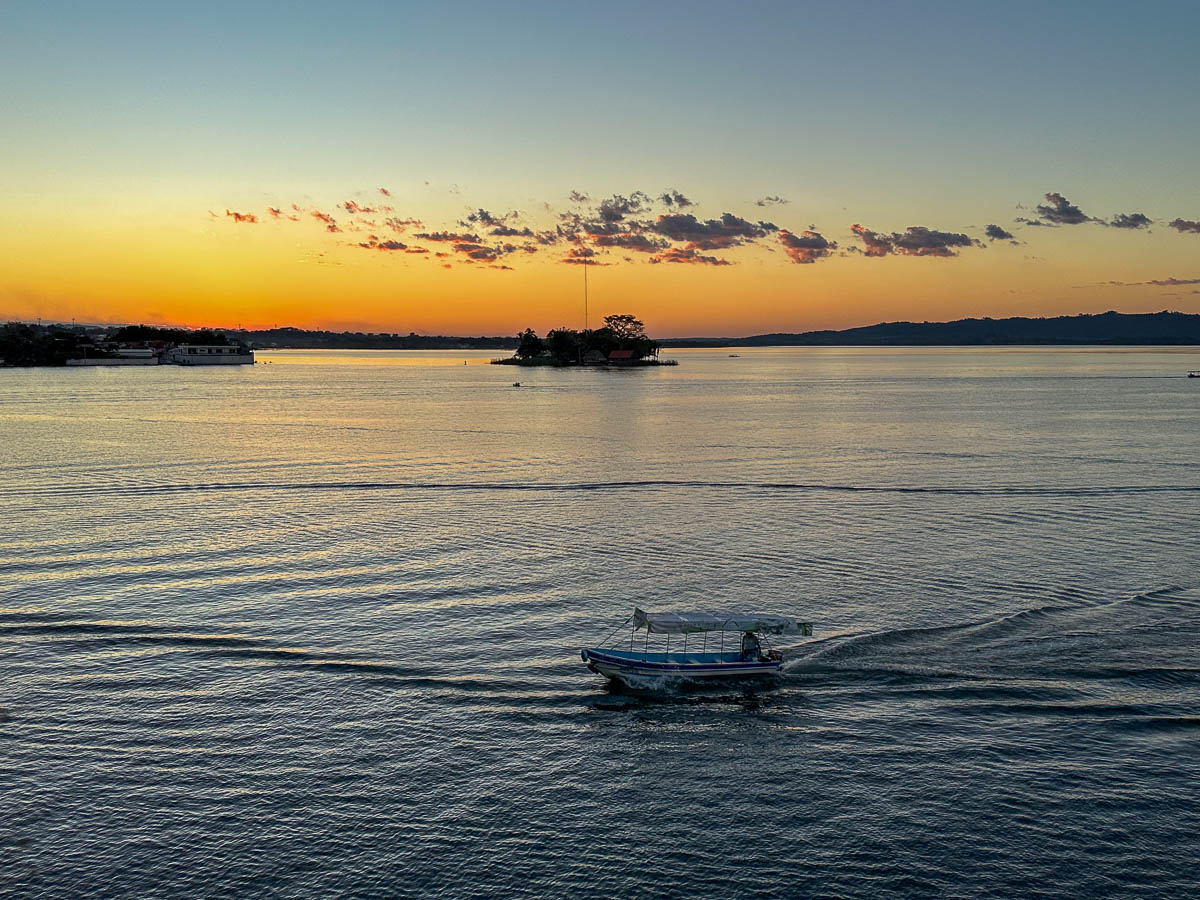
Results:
312 627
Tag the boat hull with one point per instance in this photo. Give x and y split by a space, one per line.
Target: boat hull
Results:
636 670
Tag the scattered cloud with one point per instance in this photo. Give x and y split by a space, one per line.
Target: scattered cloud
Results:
875 244
711 234
373 243
664 228
582 256
477 252
509 231
617 207
399 225
916 240
1131 220
483 217
689 256
449 237
806 247
1058 210
675 200
330 223
1156 282
631 241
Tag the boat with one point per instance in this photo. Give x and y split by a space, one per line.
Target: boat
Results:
208 355
1195 374
740 651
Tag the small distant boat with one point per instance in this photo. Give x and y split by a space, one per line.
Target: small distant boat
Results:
740 647
734 355
1195 374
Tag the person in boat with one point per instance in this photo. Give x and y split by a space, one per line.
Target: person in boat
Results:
751 648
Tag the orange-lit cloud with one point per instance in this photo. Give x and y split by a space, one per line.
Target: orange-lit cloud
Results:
448 237
242 217
373 243
806 247
399 225
331 224
689 256
582 256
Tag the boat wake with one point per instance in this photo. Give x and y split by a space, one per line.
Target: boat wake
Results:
1117 660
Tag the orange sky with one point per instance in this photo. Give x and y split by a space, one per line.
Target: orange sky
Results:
190 267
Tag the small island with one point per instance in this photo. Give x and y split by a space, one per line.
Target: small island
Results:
621 342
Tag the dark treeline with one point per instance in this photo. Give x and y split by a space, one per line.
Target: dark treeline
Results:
40 345
22 344
1105 328
299 339
133 334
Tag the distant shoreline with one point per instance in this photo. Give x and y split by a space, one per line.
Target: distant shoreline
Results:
1110 329
1105 329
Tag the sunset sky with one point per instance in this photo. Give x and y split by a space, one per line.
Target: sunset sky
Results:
724 169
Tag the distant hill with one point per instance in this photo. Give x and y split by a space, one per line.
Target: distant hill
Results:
1106 328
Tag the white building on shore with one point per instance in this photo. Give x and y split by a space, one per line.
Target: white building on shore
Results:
207 355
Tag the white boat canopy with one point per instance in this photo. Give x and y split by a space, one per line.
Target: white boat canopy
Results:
696 622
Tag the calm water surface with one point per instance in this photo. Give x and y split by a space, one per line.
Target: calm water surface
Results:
311 627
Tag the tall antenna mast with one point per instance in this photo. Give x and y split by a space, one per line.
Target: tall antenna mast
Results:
585 309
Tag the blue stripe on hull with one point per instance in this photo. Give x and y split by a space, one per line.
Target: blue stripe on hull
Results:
614 666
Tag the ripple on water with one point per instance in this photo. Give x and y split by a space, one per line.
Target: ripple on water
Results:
323 638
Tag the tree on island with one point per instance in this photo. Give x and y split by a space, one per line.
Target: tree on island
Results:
568 347
625 327
564 346
531 345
